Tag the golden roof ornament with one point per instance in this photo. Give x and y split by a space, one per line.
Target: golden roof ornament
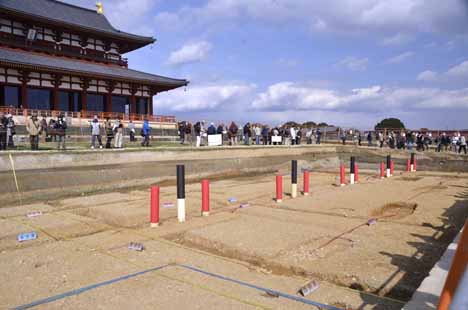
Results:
100 8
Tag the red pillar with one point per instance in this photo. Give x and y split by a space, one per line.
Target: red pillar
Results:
408 165
154 211
84 106
109 102
279 188
392 167
382 170
356 173
306 182
55 100
132 106
205 197
150 106
415 161
342 175
24 95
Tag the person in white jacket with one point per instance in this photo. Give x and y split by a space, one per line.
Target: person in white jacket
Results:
293 134
462 146
95 132
258 133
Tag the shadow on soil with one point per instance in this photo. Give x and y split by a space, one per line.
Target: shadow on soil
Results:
427 253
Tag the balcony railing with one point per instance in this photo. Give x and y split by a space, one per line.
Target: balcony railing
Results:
87 114
62 50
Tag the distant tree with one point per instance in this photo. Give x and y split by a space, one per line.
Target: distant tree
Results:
291 124
393 123
322 124
309 124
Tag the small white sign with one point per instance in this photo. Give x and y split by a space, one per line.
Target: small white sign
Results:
215 140
276 139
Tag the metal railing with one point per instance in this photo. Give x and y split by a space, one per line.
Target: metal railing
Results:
88 114
62 50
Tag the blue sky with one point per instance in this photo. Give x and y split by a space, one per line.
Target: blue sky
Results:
345 62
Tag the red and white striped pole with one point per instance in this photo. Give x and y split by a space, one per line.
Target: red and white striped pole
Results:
356 173
342 175
392 167
352 172
408 165
279 188
382 170
306 182
154 208
205 185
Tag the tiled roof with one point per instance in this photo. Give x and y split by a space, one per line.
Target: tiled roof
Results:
66 65
72 15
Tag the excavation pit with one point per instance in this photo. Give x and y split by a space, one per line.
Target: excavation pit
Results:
87 223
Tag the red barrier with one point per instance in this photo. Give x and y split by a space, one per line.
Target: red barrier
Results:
415 161
382 170
279 188
342 175
306 182
205 197
356 173
459 262
408 165
154 211
392 167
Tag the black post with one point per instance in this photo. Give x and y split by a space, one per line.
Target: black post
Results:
294 172
180 182
389 159
352 165
412 159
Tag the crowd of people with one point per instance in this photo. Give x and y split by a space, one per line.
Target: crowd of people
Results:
55 130
248 134
418 140
115 130
294 135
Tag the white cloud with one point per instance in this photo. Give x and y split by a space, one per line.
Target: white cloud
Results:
346 16
400 58
354 64
286 96
204 97
398 39
460 70
190 53
427 76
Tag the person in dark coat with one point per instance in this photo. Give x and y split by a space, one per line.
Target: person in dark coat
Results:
233 129
369 139
109 132
60 131
247 134
211 129
10 131
265 135
319 136
182 127
3 131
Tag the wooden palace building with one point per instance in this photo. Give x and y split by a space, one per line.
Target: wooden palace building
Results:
56 56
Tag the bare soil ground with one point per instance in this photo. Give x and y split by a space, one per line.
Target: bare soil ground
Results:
323 236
